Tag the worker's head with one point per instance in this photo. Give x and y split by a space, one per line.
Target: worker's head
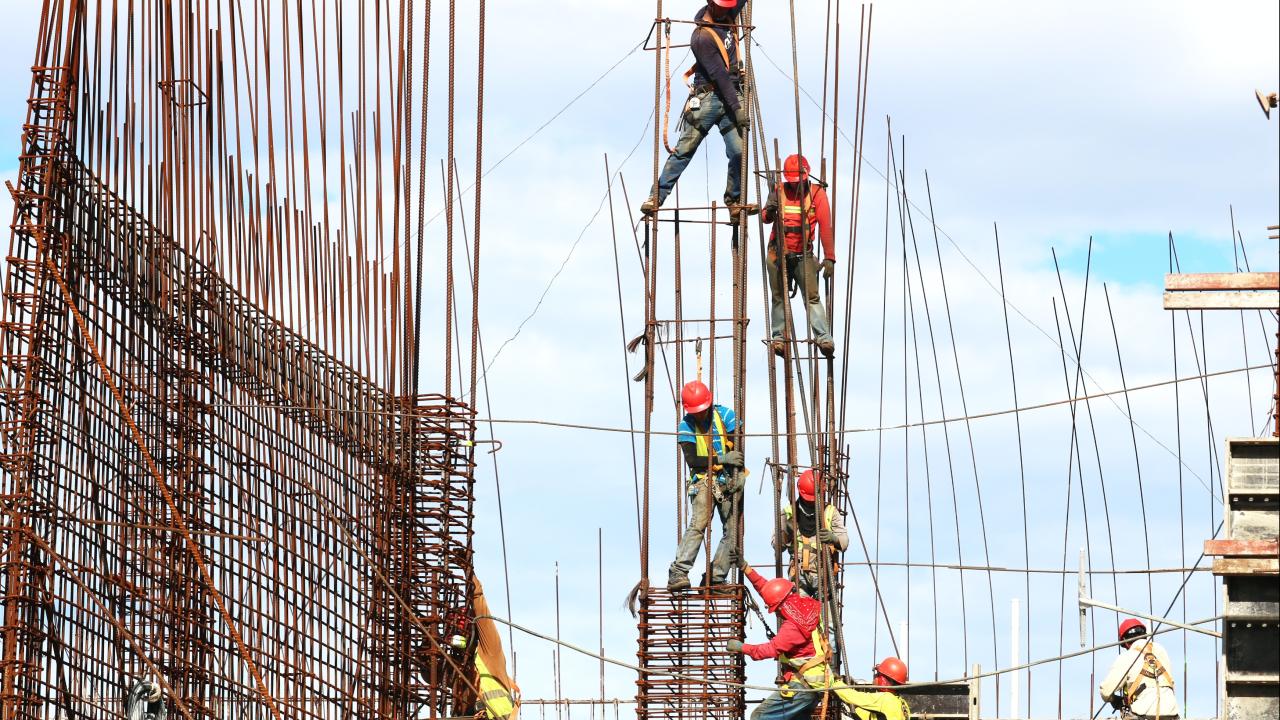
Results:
807 485
720 9
776 591
1130 630
695 397
795 170
889 673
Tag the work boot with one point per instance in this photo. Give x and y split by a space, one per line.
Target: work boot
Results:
720 588
827 347
679 582
736 210
650 206
779 347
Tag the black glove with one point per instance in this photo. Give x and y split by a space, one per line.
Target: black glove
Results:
828 268
1117 701
733 458
826 537
734 646
741 119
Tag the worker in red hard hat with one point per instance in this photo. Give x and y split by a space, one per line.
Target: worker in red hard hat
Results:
1138 683
802 648
799 206
715 479
715 101
804 532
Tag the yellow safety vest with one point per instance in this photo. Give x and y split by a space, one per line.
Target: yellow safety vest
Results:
704 445
497 700
808 560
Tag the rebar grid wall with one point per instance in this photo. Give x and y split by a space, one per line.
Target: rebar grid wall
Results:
196 486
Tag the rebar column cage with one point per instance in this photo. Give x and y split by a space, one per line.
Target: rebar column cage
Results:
691 672
333 517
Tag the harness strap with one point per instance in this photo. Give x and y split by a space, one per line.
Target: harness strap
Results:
1152 669
724 51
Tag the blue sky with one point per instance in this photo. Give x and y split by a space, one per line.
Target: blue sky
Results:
1124 121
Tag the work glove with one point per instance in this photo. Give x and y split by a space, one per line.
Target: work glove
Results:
733 458
741 119
734 646
826 537
736 482
1117 701
828 269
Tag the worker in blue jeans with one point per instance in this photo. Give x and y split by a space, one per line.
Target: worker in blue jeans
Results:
714 100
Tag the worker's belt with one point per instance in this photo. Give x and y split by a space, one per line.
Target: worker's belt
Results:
708 87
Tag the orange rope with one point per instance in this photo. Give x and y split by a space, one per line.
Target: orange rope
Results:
666 71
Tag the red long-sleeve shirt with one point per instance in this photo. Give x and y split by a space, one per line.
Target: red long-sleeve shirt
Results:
791 196
792 640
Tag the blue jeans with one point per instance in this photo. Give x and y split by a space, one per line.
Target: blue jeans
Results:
777 707
700 507
804 268
710 113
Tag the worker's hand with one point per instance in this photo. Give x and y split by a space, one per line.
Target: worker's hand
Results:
1117 700
734 646
733 458
826 537
736 482
828 268
741 119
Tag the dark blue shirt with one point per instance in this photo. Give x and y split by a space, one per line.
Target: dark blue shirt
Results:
709 67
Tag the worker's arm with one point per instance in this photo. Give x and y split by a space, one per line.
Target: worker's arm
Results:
711 62
1115 679
822 208
838 529
770 211
788 641
696 462
886 704
782 538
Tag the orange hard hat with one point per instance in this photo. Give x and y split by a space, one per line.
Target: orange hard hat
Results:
1131 628
795 169
730 4
695 397
806 485
775 591
893 669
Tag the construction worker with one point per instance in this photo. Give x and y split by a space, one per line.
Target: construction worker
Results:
715 479
1138 683
799 205
814 531
499 695
715 100
801 646
146 702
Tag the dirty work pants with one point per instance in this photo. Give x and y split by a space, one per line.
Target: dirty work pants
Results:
700 507
804 268
710 113
779 707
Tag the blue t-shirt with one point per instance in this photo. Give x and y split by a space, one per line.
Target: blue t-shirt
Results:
690 429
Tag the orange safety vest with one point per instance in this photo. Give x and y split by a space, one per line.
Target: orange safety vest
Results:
795 213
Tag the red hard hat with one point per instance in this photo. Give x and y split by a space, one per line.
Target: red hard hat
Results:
775 591
806 485
1127 629
695 397
893 669
795 169
730 4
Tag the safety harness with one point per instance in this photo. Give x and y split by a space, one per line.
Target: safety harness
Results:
796 213
704 444
724 51
1152 670
809 546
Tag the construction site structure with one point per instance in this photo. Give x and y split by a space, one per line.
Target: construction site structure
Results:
207 480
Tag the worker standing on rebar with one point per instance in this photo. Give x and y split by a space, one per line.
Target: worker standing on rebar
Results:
715 100
1138 683
799 205
814 537
715 479
802 647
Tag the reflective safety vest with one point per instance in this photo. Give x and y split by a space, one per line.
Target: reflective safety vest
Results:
808 560
1152 671
499 703
705 445
795 213
814 671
